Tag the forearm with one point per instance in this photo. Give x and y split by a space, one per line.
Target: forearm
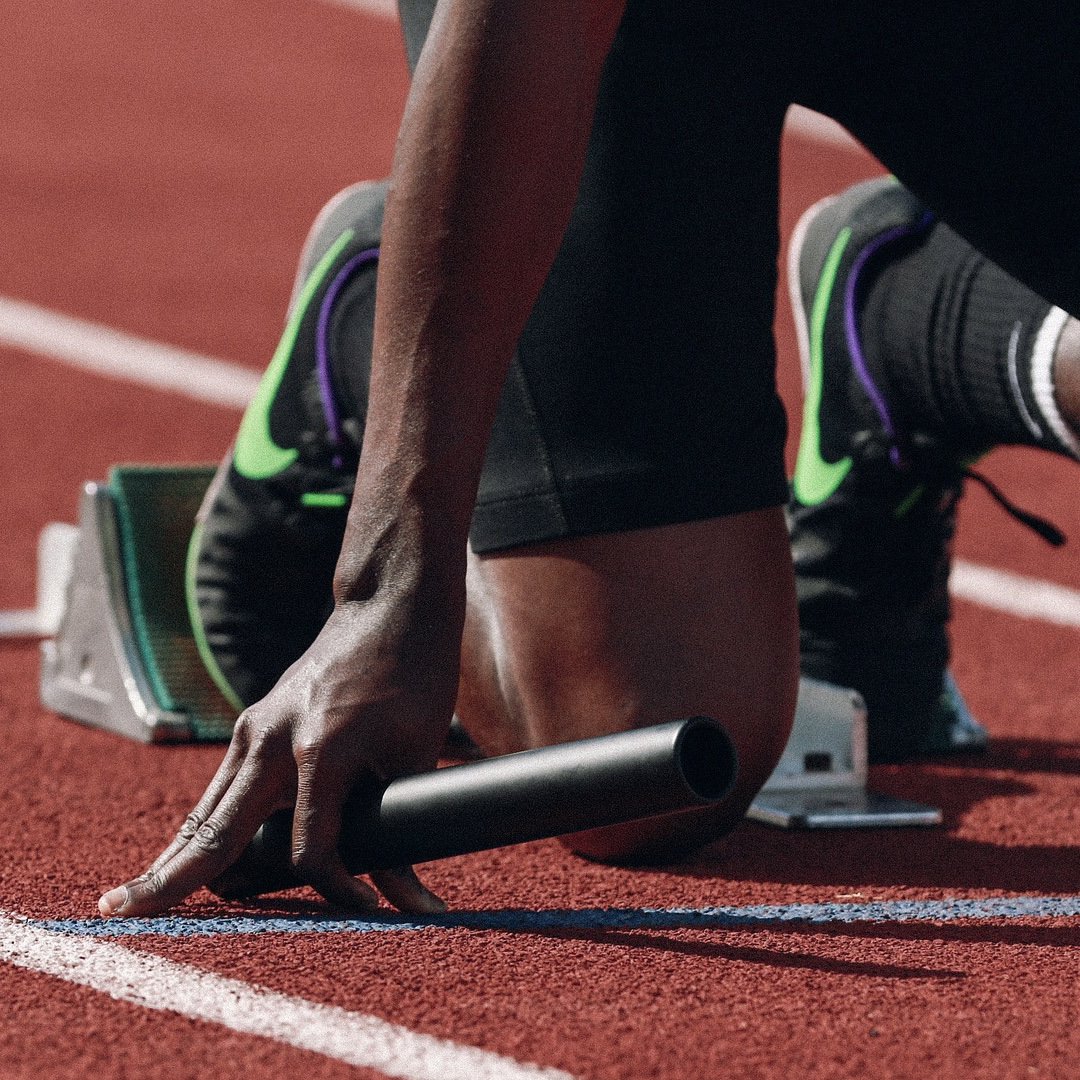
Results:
485 173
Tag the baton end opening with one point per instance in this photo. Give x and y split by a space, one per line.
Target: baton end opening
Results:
707 759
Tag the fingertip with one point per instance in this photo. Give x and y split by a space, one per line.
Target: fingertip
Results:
408 893
430 904
366 896
352 897
111 903
427 902
335 884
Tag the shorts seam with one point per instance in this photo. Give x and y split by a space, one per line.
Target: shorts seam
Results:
554 488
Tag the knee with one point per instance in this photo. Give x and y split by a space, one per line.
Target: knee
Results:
670 838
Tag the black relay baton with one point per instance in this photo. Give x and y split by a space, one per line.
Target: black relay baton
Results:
531 795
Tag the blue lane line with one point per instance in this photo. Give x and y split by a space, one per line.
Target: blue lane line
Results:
1015 907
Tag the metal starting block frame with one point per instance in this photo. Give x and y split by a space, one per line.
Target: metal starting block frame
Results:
820 780
124 657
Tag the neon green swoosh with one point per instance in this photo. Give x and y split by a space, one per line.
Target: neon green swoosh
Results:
256 455
197 628
815 478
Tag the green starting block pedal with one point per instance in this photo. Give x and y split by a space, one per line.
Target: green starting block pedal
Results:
124 656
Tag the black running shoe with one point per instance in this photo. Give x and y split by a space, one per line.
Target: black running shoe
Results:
873 508
266 542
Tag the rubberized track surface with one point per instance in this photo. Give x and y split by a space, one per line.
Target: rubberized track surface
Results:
159 166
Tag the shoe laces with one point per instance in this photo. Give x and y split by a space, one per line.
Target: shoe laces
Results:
925 458
1046 529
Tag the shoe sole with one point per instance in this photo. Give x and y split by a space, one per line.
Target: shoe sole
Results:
794 278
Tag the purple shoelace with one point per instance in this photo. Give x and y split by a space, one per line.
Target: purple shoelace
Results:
322 348
851 329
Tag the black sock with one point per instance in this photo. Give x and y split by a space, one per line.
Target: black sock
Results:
963 348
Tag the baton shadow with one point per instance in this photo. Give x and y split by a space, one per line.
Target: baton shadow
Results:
967 932
276 913
775 958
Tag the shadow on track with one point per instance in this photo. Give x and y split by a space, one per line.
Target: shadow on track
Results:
776 958
931 859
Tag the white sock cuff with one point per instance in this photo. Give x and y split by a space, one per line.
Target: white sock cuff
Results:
1042 379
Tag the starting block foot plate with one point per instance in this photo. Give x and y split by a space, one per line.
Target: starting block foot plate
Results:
124 657
820 782
853 809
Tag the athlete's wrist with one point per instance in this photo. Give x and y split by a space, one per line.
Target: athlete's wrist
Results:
402 539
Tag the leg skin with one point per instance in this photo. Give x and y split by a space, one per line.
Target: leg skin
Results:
592 635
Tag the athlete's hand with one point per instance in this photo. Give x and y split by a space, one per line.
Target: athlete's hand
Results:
371 698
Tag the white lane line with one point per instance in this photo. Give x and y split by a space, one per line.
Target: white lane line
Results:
762 916
109 352
22 623
156 983
386 8
1027 597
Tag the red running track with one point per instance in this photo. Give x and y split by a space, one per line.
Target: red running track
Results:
159 166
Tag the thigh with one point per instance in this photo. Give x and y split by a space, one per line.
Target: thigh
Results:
597 634
976 107
643 390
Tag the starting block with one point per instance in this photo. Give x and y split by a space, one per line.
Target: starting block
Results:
124 656
820 780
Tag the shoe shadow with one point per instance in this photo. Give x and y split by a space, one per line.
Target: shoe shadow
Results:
935 858
1022 756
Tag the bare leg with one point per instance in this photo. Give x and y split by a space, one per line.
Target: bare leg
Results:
598 634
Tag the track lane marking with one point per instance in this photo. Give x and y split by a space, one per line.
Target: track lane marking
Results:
387 9
22 623
154 982
104 351
100 349
1025 597
517 921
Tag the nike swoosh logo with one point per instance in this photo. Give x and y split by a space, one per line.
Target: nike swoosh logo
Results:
815 478
255 454
202 645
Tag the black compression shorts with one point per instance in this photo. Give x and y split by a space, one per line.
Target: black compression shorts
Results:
643 388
